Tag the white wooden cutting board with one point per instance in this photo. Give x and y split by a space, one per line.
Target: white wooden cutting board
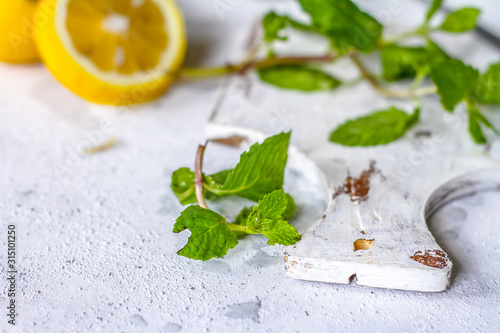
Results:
374 230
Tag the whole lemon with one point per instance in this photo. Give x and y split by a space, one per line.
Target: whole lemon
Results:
17 31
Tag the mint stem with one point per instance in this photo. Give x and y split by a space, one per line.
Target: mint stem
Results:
198 177
240 228
382 90
423 31
247 65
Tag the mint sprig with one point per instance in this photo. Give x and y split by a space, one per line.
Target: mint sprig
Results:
356 35
353 32
258 176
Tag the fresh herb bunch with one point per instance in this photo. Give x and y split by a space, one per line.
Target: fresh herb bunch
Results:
258 176
353 32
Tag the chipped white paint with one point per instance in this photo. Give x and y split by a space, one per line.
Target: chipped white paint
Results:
399 186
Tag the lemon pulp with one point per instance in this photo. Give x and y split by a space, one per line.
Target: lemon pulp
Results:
99 47
117 35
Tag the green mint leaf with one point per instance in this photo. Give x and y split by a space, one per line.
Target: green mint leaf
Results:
210 236
377 128
461 20
303 27
266 219
454 81
436 53
487 88
241 218
214 182
244 214
298 77
183 186
271 206
279 232
272 25
290 208
475 130
435 5
414 118
344 23
260 170
476 118
401 62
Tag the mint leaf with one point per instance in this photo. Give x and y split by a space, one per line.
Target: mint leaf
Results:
298 77
279 232
260 170
435 5
461 20
241 218
290 208
210 236
476 118
303 27
271 206
487 88
400 62
272 25
214 182
344 23
436 53
266 218
454 81
377 128
183 186
475 129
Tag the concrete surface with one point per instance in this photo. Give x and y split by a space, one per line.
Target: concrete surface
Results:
95 247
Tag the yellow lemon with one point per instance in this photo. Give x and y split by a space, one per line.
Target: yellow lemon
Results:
17 31
112 51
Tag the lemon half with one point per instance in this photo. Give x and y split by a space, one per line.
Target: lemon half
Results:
112 51
17 31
